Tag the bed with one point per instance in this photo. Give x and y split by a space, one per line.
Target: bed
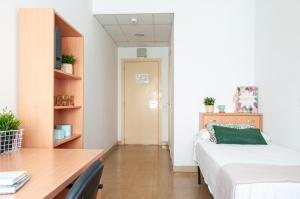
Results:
213 160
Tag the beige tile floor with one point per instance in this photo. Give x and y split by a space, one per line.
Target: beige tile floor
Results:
144 172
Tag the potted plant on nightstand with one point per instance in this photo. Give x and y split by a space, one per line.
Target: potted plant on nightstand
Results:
67 63
209 103
10 134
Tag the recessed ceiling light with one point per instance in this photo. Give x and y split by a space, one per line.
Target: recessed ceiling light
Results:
139 34
134 20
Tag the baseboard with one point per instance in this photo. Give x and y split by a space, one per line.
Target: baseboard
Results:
171 155
188 169
108 151
164 143
120 142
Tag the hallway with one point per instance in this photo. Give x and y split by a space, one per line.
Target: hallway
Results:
144 172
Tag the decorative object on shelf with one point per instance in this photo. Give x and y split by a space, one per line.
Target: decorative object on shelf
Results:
10 134
221 108
59 134
67 128
64 100
209 103
246 99
57 48
71 100
57 100
67 63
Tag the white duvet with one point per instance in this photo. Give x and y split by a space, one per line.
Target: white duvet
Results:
211 157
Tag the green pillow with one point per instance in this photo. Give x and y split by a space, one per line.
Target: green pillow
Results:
225 135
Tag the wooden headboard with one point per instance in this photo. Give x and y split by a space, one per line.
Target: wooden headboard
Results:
235 118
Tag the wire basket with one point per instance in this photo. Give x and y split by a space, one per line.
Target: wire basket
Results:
10 140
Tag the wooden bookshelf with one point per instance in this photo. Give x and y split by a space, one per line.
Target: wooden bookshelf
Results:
39 81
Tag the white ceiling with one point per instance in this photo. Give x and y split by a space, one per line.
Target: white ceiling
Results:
155 28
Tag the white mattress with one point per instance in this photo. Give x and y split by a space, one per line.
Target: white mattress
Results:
210 157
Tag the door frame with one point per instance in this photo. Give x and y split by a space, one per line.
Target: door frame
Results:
123 62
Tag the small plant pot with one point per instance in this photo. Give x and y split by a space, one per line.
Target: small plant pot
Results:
209 108
10 140
221 108
67 68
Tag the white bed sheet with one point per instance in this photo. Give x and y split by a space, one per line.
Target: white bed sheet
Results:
211 157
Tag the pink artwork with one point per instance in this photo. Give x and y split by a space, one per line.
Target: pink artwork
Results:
246 99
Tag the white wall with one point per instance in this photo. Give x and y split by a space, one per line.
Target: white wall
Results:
100 82
277 71
152 52
8 55
213 54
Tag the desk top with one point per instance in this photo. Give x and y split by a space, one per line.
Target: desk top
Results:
51 170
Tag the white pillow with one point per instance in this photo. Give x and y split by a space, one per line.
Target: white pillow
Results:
204 135
267 138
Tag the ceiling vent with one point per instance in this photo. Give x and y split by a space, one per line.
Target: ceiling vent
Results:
141 52
139 34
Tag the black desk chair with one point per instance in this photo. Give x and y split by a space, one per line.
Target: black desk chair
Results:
87 185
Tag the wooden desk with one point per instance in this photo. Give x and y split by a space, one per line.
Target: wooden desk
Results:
51 170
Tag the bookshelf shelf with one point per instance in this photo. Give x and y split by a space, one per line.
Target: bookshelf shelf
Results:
65 140
66 107
61 75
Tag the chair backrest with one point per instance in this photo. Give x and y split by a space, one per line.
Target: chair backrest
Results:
86 187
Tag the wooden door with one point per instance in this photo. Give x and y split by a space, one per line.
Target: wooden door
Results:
141 102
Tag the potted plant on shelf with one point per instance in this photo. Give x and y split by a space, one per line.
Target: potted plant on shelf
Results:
67 63
209 103
9 130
